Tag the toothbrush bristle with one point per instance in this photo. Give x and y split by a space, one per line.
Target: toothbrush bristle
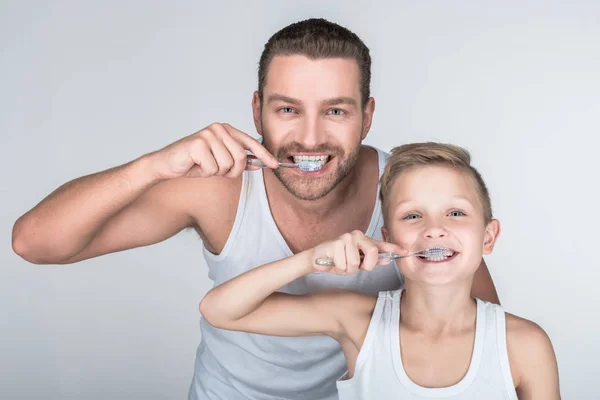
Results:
309 166
437 253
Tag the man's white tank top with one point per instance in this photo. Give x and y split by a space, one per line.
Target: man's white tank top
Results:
235 365
379 372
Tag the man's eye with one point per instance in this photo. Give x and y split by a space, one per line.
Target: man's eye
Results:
456 213
336 111
287 109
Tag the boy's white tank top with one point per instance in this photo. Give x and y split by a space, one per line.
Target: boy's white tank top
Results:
235 365
379 372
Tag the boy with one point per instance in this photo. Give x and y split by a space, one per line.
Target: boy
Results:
429 339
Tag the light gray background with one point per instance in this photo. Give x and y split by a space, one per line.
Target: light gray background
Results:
89 85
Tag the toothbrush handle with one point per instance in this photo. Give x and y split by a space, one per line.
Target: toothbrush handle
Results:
383 259
256 162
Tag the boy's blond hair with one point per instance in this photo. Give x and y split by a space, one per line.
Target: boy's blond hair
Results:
408 156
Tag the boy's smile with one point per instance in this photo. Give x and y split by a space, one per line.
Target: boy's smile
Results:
439 206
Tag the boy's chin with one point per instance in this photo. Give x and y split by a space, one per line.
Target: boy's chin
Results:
437 276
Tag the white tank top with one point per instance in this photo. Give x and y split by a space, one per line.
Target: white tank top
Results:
235 365
379 372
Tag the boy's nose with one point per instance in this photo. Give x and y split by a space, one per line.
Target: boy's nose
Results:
435 232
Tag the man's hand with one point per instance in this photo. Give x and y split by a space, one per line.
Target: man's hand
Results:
218 149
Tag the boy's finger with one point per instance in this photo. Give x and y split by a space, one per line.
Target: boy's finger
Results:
387 247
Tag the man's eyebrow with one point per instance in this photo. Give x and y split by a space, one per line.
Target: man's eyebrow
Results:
340 100
330 102
286 99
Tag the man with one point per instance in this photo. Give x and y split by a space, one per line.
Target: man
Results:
312 103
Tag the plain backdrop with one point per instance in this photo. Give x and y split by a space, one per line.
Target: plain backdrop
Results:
85 86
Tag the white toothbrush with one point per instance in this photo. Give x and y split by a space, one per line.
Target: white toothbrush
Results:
432 253
306 166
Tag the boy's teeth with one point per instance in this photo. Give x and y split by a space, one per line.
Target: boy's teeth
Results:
441 255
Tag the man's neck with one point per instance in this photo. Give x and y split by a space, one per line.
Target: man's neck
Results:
304 224
437 310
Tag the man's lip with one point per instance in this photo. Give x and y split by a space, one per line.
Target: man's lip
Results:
309 154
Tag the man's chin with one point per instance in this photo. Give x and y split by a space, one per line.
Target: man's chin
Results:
307 192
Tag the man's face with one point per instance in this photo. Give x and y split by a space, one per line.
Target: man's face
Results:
439 206
312 110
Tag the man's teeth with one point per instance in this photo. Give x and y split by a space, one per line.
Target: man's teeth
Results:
321 159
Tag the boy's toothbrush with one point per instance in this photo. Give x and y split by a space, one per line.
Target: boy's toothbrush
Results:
431 253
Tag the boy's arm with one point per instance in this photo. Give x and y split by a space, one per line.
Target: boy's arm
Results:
483 285
533 359
250 303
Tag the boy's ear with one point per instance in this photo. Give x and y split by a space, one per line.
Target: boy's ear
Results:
385 234
492 231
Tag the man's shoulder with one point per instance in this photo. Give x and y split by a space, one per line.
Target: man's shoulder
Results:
376 150
206 200
202 190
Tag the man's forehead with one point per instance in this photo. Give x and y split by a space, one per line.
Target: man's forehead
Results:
296 72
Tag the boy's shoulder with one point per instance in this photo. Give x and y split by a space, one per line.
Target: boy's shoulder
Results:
529 348
526 336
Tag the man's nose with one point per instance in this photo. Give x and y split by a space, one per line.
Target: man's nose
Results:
311 134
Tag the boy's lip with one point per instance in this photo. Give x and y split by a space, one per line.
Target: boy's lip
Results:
440 246
434 261
428 261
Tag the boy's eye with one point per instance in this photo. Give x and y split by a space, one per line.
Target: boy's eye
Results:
412 216
456 213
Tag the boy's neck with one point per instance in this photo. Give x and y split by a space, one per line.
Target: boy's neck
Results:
437 310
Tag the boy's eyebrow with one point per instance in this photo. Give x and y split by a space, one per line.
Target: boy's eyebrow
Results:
399 204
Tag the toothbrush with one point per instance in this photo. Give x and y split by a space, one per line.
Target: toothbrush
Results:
434 253
306 166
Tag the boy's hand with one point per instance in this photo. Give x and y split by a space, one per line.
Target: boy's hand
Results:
346 252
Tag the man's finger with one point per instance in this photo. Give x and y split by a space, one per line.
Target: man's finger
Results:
249 143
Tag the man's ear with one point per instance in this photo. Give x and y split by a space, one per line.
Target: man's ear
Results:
256 112
385 234
492 231
368 117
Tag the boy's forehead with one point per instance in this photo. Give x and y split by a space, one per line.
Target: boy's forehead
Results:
433 182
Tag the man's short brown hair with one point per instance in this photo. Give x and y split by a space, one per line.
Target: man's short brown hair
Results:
317 38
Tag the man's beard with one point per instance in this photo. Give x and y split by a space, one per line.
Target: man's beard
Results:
312 187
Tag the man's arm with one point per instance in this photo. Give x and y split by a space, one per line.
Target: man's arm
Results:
532 360
483 285
67 222
139 203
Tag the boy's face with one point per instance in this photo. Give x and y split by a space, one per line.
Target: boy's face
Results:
439 206
312 108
